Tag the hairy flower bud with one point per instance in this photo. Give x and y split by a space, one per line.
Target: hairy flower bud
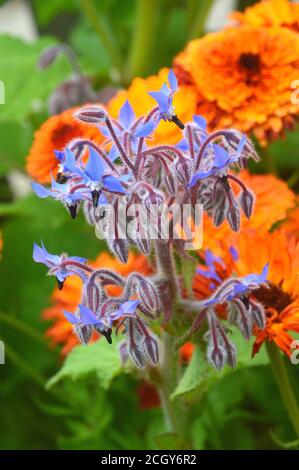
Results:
233 217
216 355
91 114
246 202
258 314
220 205
148 295
182 168
83 332
120 249
151 349
48 56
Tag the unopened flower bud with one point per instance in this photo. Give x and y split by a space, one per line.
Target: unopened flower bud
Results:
83 332
120 249
48 56
148 295
246 202
233 217
258 315
91 114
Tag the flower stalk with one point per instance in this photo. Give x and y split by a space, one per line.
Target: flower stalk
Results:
283 382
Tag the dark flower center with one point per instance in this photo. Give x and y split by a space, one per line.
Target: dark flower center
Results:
250 62
61 134
272 297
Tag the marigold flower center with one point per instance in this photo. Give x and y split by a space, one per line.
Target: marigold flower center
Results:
252 65
273 297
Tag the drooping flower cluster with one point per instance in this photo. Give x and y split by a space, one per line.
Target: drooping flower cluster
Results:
98 311
125 172
268 310
235 293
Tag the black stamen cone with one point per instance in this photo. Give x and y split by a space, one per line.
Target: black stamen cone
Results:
61 178
95 194
73 211
177 121
245 301
107 334
59 283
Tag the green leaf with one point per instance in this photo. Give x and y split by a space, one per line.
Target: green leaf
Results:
91 53
16 139
194 375
200 374
25 86
168 441
100 359
46 11
285 151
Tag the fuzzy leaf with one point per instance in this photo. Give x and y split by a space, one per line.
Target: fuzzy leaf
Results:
100 359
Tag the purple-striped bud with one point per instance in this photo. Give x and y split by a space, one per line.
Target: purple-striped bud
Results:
244 320
148 295
258 315
216 355
182 168
48 56
170 184
233 217
144 245
120 249
151 349
231 352
83 332
91 114
220 204
246 202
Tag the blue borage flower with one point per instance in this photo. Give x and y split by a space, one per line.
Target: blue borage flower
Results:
84 183
222 162
60 266
102 324
128 130
235 288
164 98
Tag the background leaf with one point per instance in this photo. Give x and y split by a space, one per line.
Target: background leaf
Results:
100 359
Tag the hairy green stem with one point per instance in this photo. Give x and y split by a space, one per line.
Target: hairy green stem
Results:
144 37
106 38
283 382
166 268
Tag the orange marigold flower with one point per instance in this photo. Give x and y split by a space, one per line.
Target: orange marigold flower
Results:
270 13
61 331
186 351
184 103
54 134
291 223
281 300
273 201
243 78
